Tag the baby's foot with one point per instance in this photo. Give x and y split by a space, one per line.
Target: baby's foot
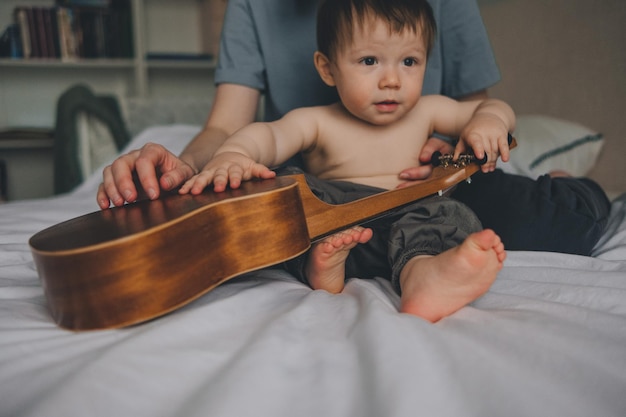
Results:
434 287
325 267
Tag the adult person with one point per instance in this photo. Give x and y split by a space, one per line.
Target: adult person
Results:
267 49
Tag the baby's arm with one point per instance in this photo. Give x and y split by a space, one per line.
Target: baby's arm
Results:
248 153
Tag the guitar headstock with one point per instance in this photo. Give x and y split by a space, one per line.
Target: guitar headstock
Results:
447 160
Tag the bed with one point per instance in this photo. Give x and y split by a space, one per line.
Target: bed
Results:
548 339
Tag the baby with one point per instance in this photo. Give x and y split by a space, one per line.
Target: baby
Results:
374 52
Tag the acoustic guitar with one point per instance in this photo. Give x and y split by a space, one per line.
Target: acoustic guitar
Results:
125 265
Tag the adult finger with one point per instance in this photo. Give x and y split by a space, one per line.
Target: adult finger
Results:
416 173
104 202
118 178
152 160
433 145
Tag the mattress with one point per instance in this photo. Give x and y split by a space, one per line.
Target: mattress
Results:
548 339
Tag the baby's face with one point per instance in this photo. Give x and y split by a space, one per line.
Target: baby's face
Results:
379 76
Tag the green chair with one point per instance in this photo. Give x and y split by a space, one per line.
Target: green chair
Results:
89 131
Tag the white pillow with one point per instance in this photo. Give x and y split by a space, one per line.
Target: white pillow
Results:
546 143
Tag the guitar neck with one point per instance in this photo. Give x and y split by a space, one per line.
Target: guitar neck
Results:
324 219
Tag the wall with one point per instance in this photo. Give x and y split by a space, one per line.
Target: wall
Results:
566 58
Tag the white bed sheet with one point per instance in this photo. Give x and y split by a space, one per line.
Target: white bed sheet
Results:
548 339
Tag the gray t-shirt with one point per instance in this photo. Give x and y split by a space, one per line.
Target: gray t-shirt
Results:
269 45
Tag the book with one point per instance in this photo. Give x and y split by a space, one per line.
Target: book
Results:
21 19
10 42
32 32
67 38
122 27
76 29
51 34
40 29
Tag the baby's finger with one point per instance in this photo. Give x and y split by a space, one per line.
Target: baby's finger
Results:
492 153
488 167
196 184
504 145
261 171
235 175
219 178
481 154
491 156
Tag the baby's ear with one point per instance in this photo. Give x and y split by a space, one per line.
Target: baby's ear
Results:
322 64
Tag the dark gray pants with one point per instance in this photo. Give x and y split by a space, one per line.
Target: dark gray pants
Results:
426 227
566 215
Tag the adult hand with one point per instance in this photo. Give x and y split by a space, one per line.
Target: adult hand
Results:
147 170
423 171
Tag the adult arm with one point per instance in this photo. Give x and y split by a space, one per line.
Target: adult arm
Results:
235 106
153 168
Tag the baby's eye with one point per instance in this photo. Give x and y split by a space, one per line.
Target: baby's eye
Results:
409 62
369 60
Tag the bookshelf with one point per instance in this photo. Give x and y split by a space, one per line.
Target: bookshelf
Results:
26 165
192 31
168 38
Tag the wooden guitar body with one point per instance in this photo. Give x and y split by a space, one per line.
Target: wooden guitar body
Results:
121 266
129 264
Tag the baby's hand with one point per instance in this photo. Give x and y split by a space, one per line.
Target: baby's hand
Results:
228 168
485 134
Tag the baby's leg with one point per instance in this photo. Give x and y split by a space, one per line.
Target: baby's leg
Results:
434 287
325 267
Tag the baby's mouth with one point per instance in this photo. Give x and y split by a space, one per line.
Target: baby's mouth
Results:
387 105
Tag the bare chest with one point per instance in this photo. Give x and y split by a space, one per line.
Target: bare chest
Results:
367 154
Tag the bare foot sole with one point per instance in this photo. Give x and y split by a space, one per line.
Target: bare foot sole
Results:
325 267
434 287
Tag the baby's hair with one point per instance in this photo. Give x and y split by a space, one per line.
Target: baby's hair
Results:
336 20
